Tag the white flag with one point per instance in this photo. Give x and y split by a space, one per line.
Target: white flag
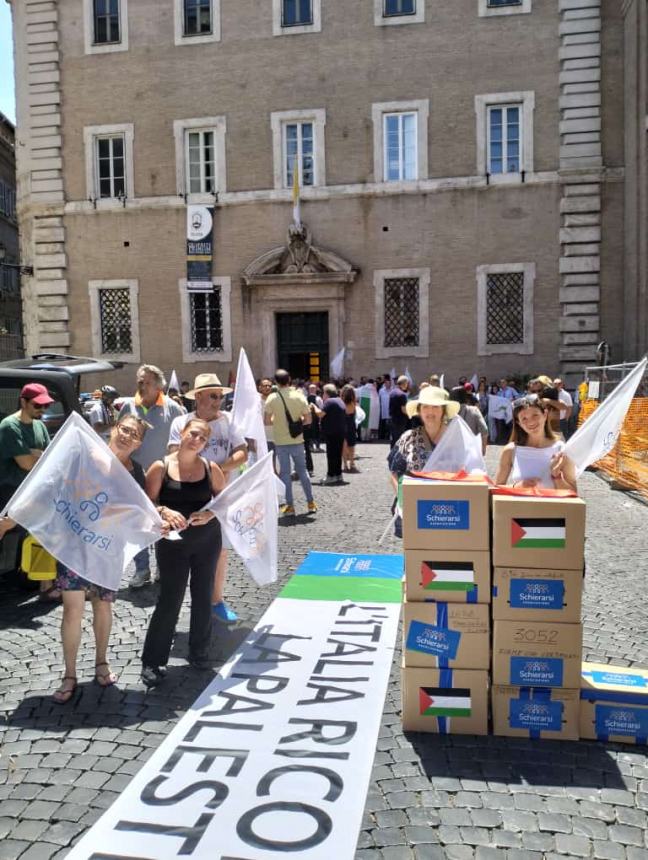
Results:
392 374
598 435
500 408
459 449
337 365
475 382
248 513
84 507
247 408
173 382
409 377
442 381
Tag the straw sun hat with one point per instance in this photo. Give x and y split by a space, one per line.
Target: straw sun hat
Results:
207 382
432 396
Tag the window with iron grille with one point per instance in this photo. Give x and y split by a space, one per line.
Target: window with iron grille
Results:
197 17
106 21
111 172
401 312
505 308
399 7
296 13
116 321
206 315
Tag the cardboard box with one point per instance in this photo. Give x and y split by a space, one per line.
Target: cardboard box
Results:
537 654
449 576
531 594
538 532
445 701
446 635
535 712
614 703
445 515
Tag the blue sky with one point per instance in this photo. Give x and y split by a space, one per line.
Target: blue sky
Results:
7 96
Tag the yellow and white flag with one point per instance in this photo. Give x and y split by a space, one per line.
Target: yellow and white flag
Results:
295 194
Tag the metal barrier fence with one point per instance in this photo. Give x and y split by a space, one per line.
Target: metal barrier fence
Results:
602 380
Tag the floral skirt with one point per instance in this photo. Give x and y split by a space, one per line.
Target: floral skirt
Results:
68 580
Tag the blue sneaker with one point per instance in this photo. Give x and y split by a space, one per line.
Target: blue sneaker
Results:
224 613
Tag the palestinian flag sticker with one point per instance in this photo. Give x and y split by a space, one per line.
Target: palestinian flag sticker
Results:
447 576
444 702
538 533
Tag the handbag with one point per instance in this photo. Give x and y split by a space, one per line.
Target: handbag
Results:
295 428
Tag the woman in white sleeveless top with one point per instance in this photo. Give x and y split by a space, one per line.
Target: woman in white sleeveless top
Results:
535 456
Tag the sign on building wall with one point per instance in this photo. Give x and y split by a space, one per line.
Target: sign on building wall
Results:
200 248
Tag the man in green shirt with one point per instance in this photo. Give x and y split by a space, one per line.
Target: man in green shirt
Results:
23 438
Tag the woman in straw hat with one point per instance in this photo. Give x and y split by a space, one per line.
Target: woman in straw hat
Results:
412 450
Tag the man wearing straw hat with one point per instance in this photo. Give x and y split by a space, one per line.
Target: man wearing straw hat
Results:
225 447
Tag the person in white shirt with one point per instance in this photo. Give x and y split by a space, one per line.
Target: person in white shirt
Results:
225 447
103 415
383 395
566 407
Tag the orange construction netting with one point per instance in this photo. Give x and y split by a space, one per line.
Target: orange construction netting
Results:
627 462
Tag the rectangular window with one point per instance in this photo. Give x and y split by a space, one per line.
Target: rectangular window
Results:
399 7
206 315
492 3
401 297
296 13
400 151
505 308
299 150
106 21
3 198
201 162
116 321
197 17
110 166
504 139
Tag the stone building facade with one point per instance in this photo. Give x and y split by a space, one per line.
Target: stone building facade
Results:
10 303
461 168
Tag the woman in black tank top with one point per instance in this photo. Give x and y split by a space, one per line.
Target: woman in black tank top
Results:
181 485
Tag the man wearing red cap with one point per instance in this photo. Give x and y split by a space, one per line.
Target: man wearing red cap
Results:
23 438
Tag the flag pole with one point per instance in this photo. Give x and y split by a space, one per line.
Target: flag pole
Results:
295 194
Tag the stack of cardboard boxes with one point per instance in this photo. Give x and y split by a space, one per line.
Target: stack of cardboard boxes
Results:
540 687
446 624
537 635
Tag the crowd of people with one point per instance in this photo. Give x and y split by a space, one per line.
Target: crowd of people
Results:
182 448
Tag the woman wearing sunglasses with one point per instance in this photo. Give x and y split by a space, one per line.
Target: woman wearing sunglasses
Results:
535 456
181 485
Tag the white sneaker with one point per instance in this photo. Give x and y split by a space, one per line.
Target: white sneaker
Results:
140 578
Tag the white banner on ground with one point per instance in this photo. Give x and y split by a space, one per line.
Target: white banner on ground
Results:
458 449
599 433
248 513
274 759
84 507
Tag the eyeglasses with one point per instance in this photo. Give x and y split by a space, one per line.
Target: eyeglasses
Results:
128 432
213 396
527 400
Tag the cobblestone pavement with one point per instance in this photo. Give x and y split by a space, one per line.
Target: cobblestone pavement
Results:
430 797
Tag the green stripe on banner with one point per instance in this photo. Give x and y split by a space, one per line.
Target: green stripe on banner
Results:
446 712
361 589
540 543
440 585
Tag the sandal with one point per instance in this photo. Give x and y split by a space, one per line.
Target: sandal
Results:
107 679
51 595
62 697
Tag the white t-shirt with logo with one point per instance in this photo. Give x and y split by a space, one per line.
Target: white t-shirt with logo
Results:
222 440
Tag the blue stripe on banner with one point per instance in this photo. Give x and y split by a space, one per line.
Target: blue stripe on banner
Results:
445 683
442 621
619 698
473 595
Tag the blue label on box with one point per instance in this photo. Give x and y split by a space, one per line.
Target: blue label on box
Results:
537 671
439 641
537 593
621 720
443 514
535 716
617 679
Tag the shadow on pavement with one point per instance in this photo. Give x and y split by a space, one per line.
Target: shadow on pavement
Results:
518 760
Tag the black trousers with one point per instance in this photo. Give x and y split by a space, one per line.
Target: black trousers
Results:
503 431
334 456
308 453
193 558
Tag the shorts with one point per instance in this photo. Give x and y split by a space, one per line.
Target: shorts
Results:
68 580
